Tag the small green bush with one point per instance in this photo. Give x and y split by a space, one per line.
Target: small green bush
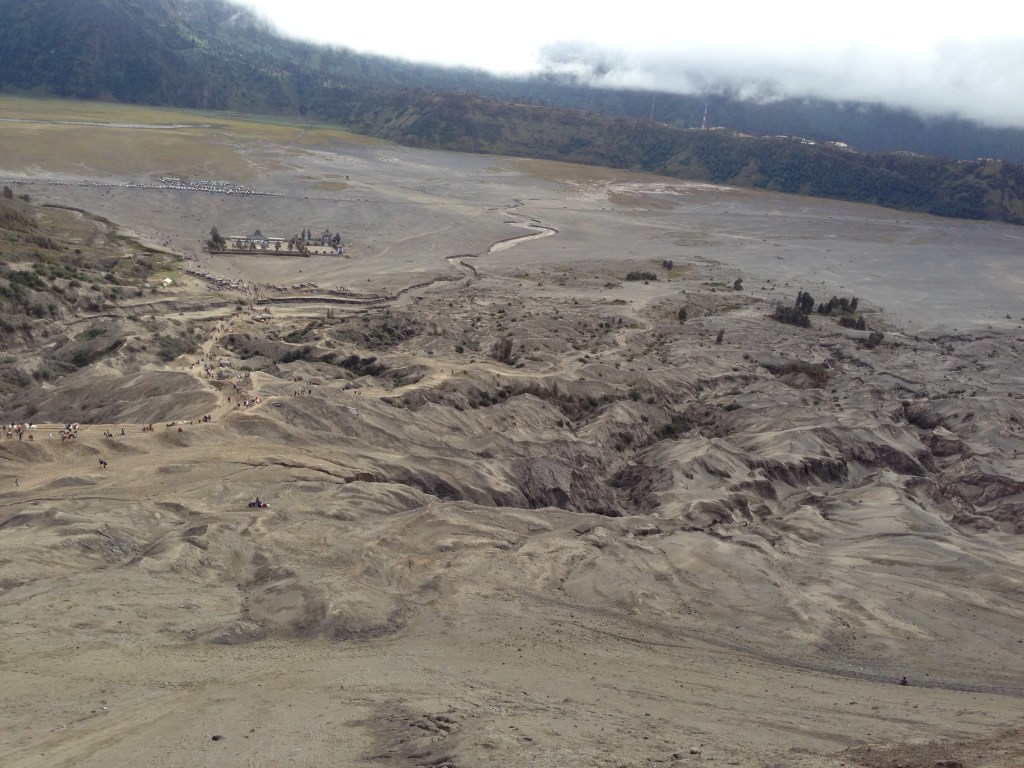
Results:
640 275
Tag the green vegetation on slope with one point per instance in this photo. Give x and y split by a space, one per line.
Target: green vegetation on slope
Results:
55 272
981 189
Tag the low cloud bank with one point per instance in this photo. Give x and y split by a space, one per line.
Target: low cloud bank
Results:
977 80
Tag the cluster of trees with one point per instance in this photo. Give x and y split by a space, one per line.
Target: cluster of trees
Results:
637 274
216 242
501 350
799 313
856 322
846 309
792 316
9 194
844 305
804 302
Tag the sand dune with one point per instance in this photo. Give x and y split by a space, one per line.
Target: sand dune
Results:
624 542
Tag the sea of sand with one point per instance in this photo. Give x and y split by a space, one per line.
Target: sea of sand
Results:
470 561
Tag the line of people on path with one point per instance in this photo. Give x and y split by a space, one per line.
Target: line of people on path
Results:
18 430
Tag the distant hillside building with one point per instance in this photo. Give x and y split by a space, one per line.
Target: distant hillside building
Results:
258 237
305 243
326 238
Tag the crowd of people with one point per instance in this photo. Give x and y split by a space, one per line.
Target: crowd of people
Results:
20 431
13 430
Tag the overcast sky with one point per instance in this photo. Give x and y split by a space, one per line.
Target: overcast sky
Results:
938 57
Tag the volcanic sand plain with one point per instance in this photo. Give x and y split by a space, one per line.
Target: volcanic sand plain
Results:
617 539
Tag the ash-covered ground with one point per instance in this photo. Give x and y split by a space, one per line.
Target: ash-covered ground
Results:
548 482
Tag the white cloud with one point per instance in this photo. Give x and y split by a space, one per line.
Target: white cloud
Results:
943 58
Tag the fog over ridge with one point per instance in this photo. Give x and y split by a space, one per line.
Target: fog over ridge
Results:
946 60
977 80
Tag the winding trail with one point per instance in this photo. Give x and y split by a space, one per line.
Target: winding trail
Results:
539 232
194 363
502 245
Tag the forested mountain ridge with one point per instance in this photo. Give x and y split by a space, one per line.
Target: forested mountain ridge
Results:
160 52
212 54
980 189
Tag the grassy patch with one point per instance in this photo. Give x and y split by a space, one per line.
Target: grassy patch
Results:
67 135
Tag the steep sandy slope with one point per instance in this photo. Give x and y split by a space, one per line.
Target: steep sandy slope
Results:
519 512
